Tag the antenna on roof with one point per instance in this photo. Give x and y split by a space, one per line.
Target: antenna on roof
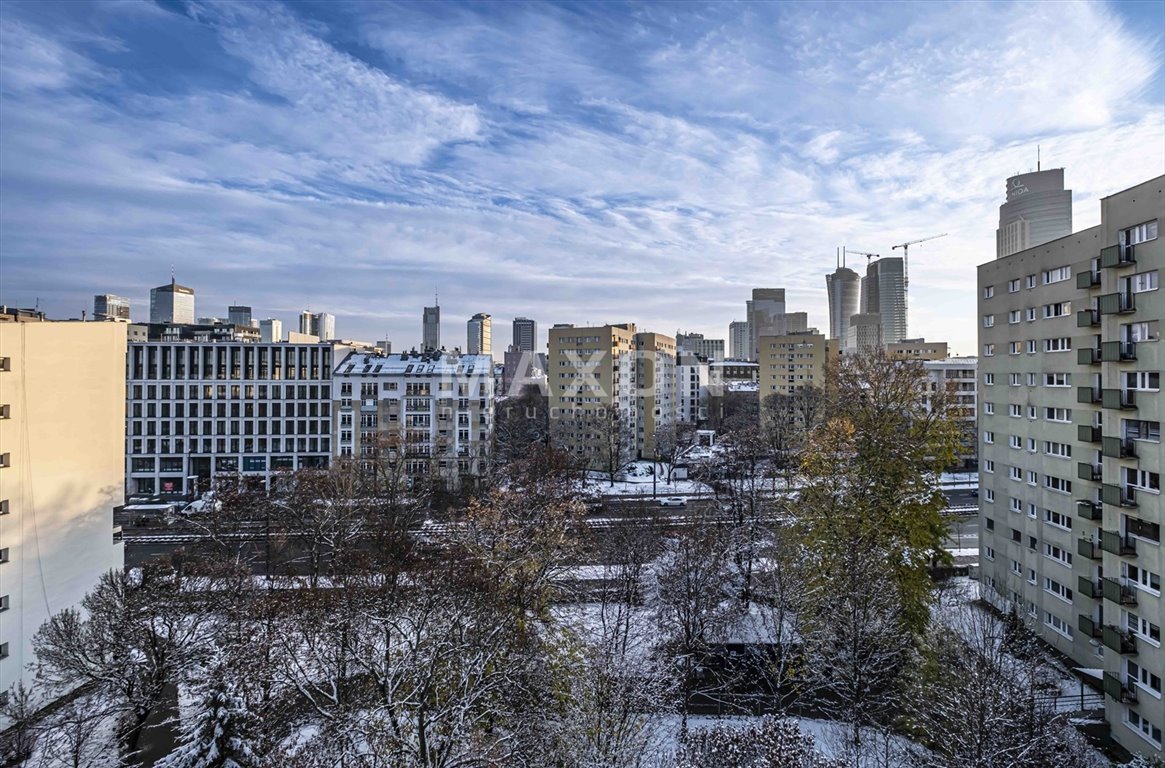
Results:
1037 157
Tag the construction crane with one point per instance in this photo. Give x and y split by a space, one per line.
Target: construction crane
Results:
867 255
906 276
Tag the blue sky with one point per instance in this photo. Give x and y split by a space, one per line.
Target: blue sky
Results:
592 162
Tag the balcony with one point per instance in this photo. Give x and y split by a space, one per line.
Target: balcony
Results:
1117 690
1119 398
1088 356
1087 318
1118 448
1117 256
1086 280
1088 395
1086 471
1119 303
1119 640
1087 434
1089 627
1118 496
1089 588
1116 592
1089 510
1118 543
1118 351
1086 548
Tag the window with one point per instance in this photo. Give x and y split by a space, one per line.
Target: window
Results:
988 350
1016 567
1143 282
1013 379
1061 415
1014 316
1057 380
1060 450
1062 344
1015 505
989 292
1142 578
1140 332
1031 575
990 523
1013 285
1031 314
1143 727
1057 275
988 408
1015 411
1058 484
1014 347
1032 348
1143 380
1031 412
1015 473
989 497
1053 587
989 437
1029 281
1057 624
1056 553
1059 309
988 321
989 553
1014 441
4 555
1031 445
1143 628
1032 479
989 379
1140 233
989 464
1051 517
1142 479
1032 378
1135 429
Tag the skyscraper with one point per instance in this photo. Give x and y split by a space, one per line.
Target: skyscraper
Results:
479 333
1038 209
305 322
239 315
738 337
271 330
844 287
525 334
431 328
322 325
884 294
767 317
106 306
172 303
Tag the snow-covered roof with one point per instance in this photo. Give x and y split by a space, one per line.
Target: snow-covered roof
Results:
415 364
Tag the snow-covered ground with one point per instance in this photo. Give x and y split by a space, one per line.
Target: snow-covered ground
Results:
636 479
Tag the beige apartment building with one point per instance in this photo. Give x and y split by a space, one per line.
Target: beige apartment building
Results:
62 465
655 379
1070 450
794 361
917 349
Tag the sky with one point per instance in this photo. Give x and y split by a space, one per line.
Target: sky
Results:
573 163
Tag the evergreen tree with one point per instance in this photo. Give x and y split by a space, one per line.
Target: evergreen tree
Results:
219 737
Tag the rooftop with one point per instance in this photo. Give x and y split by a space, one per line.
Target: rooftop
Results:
431 363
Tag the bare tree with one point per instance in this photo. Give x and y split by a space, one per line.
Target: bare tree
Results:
766 743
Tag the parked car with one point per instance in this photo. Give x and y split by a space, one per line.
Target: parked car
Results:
673 501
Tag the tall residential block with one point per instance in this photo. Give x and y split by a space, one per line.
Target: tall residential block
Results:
197 410
479 335
696 344
172 303
794 361
1070 450
431 328
957 378
62 416
884 294
1038 209
106 306
738 339
844 287
430 412
655 391
525 334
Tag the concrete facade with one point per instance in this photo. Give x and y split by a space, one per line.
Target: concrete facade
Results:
794 361
479 335
1038 209
1070 452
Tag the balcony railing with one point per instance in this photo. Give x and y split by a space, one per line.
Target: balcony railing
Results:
1118 496
1117 256
1089 588
1117 543
1117 303
1086 471
1118 398
1116 592
1089 627
1114 688
1087 279
1086 433
1118 448
1086 548
1086 318
1088 356
1119 640
1088 395
1089 510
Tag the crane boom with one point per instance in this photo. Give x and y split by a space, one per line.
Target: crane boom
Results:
906 275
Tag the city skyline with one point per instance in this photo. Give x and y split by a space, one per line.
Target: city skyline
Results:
637 176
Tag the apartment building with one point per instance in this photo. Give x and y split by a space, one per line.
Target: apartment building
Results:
692 377
197 410
794 361
432 410
655 395
591 374
479 335
696 344
958 377
917 349
739 336
1070 452
62 465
